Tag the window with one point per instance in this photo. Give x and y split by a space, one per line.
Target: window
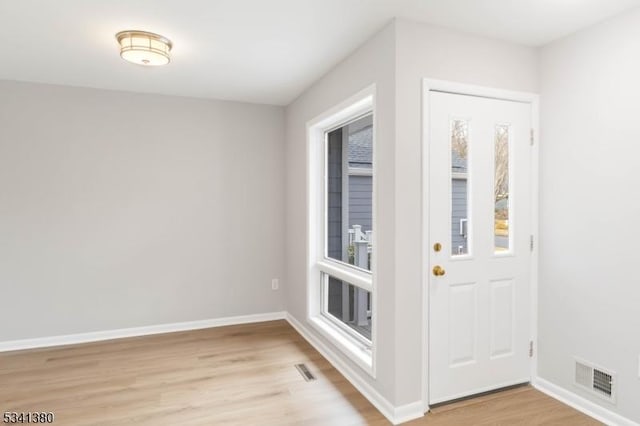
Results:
349 193
460 187
341 229
501 189
348 304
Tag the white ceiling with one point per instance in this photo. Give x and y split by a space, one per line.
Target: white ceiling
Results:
264 51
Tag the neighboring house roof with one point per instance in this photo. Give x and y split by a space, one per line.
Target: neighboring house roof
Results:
458 164
361 148
361 151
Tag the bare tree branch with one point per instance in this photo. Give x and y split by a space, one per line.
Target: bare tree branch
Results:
501 186
459 138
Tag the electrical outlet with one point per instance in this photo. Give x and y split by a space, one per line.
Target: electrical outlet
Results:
275 284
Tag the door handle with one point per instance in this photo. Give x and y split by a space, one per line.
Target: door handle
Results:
438 271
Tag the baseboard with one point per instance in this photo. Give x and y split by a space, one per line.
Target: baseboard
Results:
581 404
407 412
72 339
395 415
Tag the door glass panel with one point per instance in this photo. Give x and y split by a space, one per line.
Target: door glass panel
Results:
459 187
501 190
349 193
348 304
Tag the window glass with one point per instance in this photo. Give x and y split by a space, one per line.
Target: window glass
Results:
501 189
348 304
459 187
349 193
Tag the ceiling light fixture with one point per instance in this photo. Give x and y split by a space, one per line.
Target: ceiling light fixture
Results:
144 48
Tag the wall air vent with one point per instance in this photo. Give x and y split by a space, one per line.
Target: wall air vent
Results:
304 371
596 380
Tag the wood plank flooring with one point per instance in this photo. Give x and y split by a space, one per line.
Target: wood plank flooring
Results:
237 375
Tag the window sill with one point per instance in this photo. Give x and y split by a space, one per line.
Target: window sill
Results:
350 347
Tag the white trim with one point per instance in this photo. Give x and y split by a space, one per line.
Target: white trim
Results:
97 336
487 92
346 111
581 404
535 203
359 353
363 102
360 171
346 272
480 91
338 326
345 192
395 415
407 412
459 175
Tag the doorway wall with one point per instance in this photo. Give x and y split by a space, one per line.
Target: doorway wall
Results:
588 141
395 60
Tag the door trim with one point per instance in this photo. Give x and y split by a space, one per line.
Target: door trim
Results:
428 86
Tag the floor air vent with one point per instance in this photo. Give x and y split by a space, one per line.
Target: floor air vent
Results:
596 380
304 371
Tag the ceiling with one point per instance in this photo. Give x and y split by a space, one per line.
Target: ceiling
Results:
263 51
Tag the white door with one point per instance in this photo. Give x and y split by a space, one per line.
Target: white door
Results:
480 256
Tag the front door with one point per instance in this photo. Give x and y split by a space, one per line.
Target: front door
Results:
480 257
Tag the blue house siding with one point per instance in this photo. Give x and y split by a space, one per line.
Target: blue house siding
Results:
458 211
360 201
334 207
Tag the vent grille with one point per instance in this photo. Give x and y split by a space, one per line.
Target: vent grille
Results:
596 380
584 374
603 382
304 371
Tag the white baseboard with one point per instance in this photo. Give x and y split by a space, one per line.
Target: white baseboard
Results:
407 412
395 415
72 339
581 404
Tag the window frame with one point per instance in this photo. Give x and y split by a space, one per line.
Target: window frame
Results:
342 327
319 265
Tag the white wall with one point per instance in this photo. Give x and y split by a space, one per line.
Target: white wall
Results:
425 51
372 63
590 206
120 210
396 60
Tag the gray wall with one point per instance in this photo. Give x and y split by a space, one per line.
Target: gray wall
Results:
458 211
121 210
589 295
360 207
334 195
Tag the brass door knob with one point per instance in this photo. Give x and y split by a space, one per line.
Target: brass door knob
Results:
438 271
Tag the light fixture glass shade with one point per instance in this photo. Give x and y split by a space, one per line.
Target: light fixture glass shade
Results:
144 48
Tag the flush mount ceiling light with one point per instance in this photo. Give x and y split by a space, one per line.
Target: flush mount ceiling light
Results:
144 48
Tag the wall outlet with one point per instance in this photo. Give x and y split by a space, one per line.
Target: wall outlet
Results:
275 284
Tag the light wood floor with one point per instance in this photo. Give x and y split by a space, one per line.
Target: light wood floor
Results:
238 375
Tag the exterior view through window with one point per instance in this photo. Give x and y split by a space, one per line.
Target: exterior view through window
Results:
501 189
460 225
460 184
349 220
